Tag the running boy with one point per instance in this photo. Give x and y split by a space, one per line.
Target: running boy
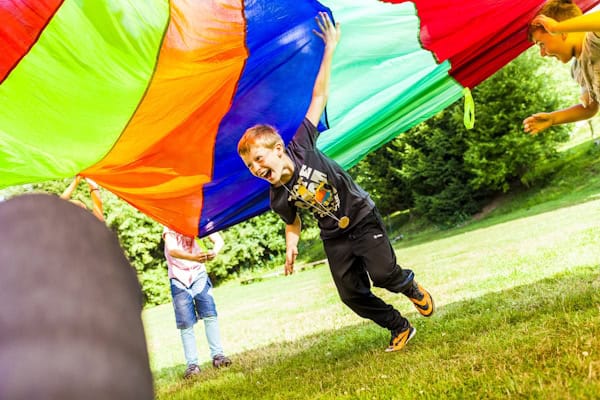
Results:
352 231
563 32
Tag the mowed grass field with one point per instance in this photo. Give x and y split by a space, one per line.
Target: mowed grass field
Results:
518 316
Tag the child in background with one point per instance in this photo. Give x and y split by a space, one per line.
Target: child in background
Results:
563 32
191 291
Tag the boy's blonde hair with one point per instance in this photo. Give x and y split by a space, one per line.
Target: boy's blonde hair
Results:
259 135
559 10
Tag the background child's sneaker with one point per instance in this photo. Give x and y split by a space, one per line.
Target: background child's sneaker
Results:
421 299
191 370
221 361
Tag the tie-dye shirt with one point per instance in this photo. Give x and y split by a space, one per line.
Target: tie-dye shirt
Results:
586 69
185 271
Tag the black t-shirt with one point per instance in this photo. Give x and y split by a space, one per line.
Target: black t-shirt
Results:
320 185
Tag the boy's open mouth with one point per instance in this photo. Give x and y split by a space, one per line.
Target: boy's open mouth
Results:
266 174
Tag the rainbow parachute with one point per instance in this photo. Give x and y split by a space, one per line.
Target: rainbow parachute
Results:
149 98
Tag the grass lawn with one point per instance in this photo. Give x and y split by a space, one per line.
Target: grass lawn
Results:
518 316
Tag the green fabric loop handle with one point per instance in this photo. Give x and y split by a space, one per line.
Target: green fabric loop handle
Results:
469 118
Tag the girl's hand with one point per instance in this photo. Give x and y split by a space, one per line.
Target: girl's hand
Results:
537 123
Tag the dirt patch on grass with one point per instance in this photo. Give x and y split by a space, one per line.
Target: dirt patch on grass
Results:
495 203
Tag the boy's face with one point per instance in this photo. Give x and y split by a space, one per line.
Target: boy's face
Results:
553 45
266 163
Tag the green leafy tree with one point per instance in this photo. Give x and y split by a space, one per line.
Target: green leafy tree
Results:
449 171
249 246
434 170
380 175
141 239
499 152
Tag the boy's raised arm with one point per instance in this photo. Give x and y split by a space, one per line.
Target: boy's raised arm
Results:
330 34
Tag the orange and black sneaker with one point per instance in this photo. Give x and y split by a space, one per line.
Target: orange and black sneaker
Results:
421 299
400 338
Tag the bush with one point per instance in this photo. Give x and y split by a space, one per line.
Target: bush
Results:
446 172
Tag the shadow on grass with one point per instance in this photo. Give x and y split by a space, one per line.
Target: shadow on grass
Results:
480 348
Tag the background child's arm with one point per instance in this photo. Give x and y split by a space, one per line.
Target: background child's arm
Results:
177 252
542 121
584 23
97 207
218 242
71 188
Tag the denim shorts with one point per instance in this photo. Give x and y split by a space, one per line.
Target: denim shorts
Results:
192 303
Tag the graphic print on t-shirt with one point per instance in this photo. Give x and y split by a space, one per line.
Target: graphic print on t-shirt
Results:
312 190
